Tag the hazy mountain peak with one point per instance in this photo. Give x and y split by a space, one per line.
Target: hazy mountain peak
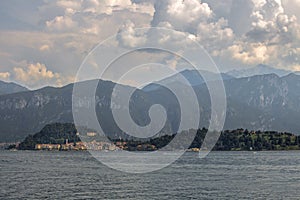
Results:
10 87
260 69
193 76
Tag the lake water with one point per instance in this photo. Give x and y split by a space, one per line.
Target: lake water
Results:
221 175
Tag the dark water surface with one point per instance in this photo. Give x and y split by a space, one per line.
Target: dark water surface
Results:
221 175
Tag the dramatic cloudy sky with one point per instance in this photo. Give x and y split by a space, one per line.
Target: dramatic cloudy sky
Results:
44 42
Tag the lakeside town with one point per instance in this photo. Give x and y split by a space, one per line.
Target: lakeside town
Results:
69 146
65 137
77 145
82 146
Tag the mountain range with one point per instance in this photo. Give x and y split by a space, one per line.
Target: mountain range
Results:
260 69
9 88
194 78
259 102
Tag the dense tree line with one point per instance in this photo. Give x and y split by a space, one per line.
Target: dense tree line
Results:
240 139
56 133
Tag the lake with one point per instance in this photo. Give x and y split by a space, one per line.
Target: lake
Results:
221 175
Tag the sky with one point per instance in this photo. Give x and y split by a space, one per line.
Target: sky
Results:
44 42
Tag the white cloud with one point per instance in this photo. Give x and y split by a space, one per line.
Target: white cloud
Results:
292 7
108 7
195 20
34 72
182 15
215 35
75 5
235 32
271 24
197 11
129 36
269 38
37 75
105 6
268 27
87 16
4 75
44 47
252 54
61 23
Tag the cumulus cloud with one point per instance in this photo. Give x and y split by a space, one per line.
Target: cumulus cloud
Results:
37 75
69 4
182 15
44 47
235 32
245 32
197 11
268 20
4 75
271 37
67 31
108 6
292 7
250 54
215 35
87 16
129 36
195 18
61 23
34 72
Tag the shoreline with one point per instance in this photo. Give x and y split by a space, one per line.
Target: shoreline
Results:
107 151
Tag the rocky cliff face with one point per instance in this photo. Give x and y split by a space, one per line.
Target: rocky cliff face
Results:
266 102
26 112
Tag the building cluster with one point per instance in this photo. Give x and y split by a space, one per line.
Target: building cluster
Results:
98 146
79 146
61 147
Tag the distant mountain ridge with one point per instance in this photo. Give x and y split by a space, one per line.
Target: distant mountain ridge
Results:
9 88
260 69
193 78
261 102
